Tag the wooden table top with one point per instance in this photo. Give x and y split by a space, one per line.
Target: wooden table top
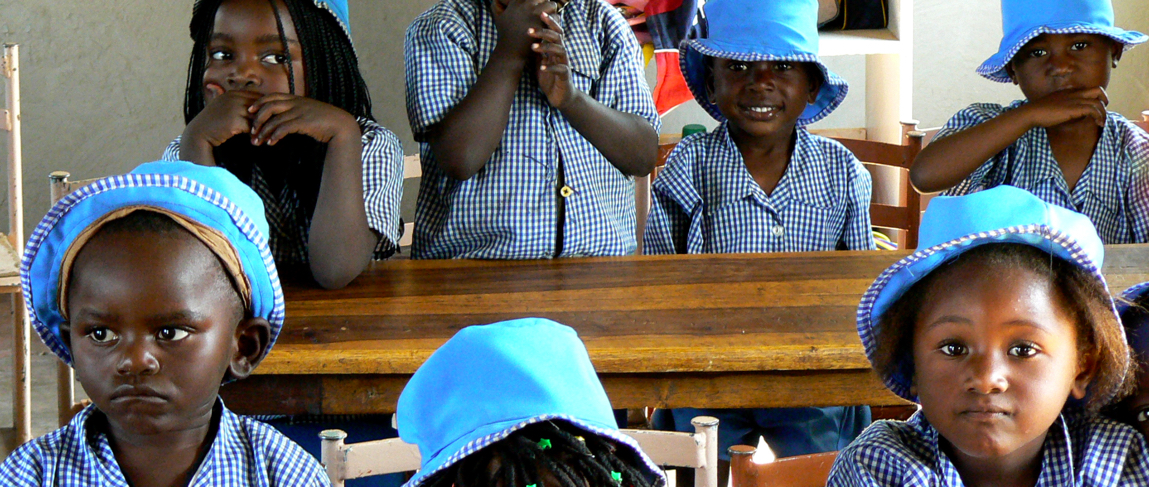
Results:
645 314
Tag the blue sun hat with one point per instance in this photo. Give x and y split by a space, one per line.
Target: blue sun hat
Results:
953 225
489 381
209 202
1023 20
338 8
755 30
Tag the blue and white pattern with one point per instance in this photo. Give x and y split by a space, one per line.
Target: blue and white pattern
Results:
382 191
707 200
38 276
1079 451
508 210
1113 191
243 453
994 70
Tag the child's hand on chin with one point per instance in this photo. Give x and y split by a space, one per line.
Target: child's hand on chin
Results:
1067 105
554 70
515 19
225 115
276 115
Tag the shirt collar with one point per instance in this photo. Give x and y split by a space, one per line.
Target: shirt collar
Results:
800 182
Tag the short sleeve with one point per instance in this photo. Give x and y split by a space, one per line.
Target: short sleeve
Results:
24 467
672 204
382 185
992 172
858 234
440 68
172 152
624 77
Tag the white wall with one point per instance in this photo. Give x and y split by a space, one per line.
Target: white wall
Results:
103 80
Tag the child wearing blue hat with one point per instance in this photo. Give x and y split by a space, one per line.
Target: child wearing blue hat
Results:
533 118
517 404
1134 309
275 96
760 182
1002 328
157 286
1060 142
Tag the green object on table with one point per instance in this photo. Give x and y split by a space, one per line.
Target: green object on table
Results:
691 129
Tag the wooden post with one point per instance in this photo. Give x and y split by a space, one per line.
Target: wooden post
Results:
707 428
743 472
22 417
332 456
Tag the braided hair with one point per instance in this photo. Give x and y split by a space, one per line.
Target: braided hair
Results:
552 450
332 77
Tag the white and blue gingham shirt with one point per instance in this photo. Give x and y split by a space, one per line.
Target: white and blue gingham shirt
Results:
707 200
1078 451
243 453
1113 191
508 210
382 190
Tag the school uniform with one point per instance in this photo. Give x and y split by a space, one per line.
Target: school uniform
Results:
1078 451
243 453
508 210
707 199
382 190
1113 191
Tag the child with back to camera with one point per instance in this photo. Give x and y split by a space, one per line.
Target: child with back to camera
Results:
517 404
1060 142
1002 328
157 286
275 96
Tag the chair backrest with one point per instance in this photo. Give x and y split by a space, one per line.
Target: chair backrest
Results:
698 450
895 203
58 187
799 471
412 173
1144 122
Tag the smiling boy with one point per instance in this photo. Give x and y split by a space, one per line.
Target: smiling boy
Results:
1060 143
761 183
157 286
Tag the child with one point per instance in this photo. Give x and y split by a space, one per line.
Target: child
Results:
1001 326
1134 410
274 95
1059 143
760 182
533 118
486 410
157 286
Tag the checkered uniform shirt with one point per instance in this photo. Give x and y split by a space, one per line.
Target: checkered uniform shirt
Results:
1078 451
1113 191
382 190
508 210
707 200
243 453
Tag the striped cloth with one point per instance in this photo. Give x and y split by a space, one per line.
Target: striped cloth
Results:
1113 191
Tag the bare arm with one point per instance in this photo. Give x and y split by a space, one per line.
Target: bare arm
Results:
946 162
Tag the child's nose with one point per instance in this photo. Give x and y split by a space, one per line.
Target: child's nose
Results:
137 359
1061 63
986 374
763 78
245 74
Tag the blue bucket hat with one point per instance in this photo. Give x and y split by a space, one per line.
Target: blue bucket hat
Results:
748 30
339 9
203 197
953 225
1023 20
489 381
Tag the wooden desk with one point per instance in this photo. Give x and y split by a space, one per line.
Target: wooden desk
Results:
733 330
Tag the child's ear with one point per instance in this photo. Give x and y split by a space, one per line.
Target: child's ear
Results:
1010 72
252 336
815 77
1118 50
1086 368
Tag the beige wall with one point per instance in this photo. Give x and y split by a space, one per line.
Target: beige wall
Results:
103 80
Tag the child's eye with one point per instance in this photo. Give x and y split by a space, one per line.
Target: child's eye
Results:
102 335
274 59
783 66
737 66
219 55
1036 53
953 349
171 334
1079 45
1024 350
1143 415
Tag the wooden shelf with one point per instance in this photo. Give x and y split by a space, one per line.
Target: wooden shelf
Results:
855 42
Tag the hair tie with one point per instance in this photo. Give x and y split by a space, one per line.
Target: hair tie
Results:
544 444
617 476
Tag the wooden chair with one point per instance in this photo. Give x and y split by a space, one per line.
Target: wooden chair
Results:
799 471
1144 122
66 406
642 196
895 203
412 170
11 248
698 450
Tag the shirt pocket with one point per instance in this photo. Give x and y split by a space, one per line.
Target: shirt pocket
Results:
813 228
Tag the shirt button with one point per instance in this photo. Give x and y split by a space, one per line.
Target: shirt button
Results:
777 230
566 191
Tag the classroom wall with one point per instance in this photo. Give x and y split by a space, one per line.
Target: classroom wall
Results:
103 80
